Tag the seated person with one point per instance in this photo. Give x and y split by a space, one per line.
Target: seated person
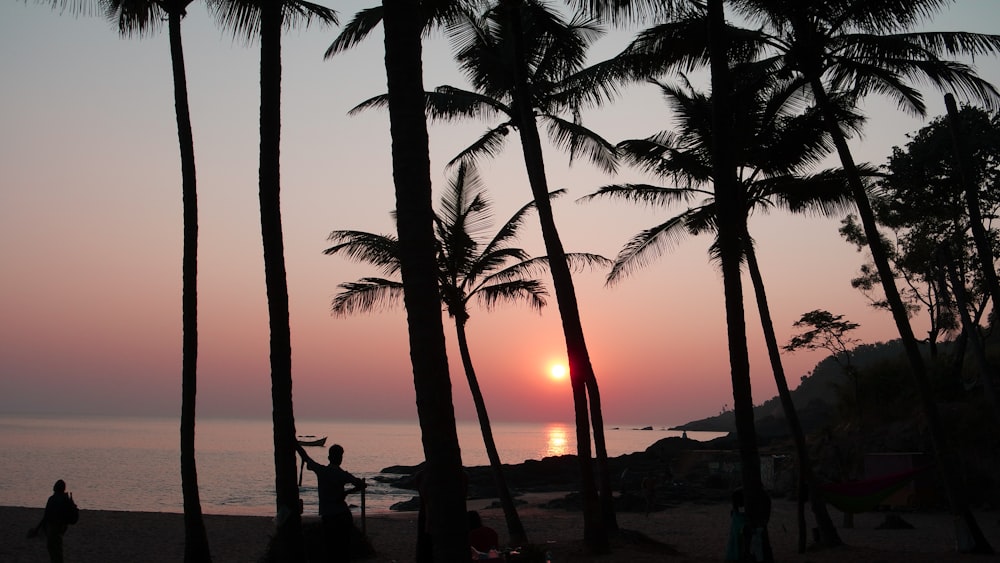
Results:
482 538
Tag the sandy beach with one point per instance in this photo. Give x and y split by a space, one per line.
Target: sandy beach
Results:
684 532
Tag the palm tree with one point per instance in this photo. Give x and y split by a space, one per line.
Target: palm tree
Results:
137 18
731 241
485 48
402 22
865 46
266 19
470 267
772 147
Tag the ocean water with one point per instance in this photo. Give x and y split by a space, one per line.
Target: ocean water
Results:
117 463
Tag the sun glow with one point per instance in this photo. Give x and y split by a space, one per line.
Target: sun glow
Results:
557 371
558 441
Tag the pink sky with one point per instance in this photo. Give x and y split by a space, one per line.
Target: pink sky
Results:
90 240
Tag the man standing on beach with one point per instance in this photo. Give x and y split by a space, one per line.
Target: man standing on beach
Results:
333 510
59 513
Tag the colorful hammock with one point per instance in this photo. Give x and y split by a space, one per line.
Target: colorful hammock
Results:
867 495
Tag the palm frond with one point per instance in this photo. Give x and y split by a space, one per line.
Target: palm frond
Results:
448 102
576 261
133 18
579 140
646 194
509 230
375 102
647 246
381 251
529 291
488 145
666 156
301 12
367 295
242 17
356 31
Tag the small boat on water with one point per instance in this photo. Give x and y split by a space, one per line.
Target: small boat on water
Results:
310 440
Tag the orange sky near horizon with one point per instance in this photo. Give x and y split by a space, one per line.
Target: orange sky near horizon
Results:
90 224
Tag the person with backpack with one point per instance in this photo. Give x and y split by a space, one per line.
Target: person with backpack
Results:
60 512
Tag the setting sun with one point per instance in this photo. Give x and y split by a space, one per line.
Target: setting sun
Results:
558 371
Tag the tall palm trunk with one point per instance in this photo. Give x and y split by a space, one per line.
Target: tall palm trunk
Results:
418 266
807 479
514 527
983 248
595 533
568 296
970 536
195 539
606 493
730 236
288 536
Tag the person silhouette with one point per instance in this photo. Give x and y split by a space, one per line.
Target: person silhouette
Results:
333 510
481 537
55 521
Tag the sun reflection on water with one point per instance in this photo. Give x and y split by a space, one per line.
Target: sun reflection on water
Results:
557 441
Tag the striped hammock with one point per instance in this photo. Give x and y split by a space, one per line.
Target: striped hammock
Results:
867 495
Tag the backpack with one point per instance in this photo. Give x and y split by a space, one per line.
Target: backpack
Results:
72 511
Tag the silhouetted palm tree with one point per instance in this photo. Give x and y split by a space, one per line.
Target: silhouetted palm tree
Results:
490 271
497 54
866 46
404 23
266 20
773 148
731 241
137 18
443 477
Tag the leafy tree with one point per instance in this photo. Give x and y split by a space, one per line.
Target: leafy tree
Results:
970 180
266 20
922 201
934 197
866 46
828 332
911 252
138 18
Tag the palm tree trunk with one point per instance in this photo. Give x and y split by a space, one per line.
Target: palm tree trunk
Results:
971 330
514 527
605 491
288 534
444 477
730 236
196 548
807 479
595 533
970 536
983 248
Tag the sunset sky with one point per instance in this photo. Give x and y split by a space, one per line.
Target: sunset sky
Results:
90 238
